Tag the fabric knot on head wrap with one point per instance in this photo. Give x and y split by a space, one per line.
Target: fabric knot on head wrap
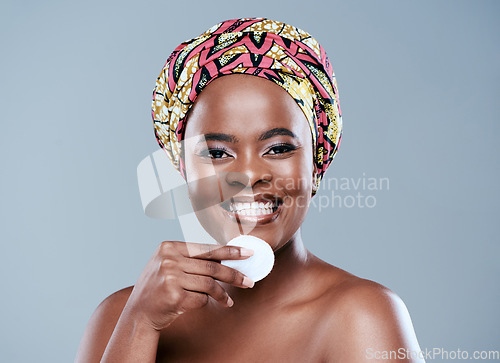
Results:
286 55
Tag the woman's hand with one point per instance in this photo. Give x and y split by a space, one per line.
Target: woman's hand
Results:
179 277
182 276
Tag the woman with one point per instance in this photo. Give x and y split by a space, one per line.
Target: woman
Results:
254 102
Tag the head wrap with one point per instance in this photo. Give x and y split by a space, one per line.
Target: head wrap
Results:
279 52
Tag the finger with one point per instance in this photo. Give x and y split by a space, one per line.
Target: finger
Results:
212 252
217 271
207 285
195 300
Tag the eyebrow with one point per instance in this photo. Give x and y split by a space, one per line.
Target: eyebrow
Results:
220 136
276 131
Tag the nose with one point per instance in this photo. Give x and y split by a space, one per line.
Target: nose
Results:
249 171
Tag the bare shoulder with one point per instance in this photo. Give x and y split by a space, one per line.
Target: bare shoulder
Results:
366 320
108 311
117 300
354 297
358 298
101 325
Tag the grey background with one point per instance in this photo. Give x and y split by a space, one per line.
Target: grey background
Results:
418 84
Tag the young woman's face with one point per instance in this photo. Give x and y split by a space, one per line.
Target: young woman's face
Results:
247 139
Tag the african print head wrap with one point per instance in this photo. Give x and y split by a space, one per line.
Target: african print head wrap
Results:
286 55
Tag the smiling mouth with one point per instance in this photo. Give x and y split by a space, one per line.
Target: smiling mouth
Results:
259 208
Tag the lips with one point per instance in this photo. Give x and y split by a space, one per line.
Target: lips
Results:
253 209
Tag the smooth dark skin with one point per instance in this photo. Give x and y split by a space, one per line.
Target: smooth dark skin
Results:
305 311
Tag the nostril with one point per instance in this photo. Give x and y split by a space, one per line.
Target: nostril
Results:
235 177
249 178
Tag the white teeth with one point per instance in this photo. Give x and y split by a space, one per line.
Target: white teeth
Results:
253 209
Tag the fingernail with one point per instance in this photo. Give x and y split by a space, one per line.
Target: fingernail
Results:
229 301
248 282
246 252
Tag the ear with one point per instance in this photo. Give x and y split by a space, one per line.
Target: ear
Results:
315 185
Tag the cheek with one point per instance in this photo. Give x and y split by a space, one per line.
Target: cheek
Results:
203 183
295 179
203 189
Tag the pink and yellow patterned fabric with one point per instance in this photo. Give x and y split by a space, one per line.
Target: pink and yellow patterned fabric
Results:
281 53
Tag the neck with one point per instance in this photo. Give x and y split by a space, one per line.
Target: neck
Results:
289 266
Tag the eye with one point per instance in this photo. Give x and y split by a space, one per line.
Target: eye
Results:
281 149
215 153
